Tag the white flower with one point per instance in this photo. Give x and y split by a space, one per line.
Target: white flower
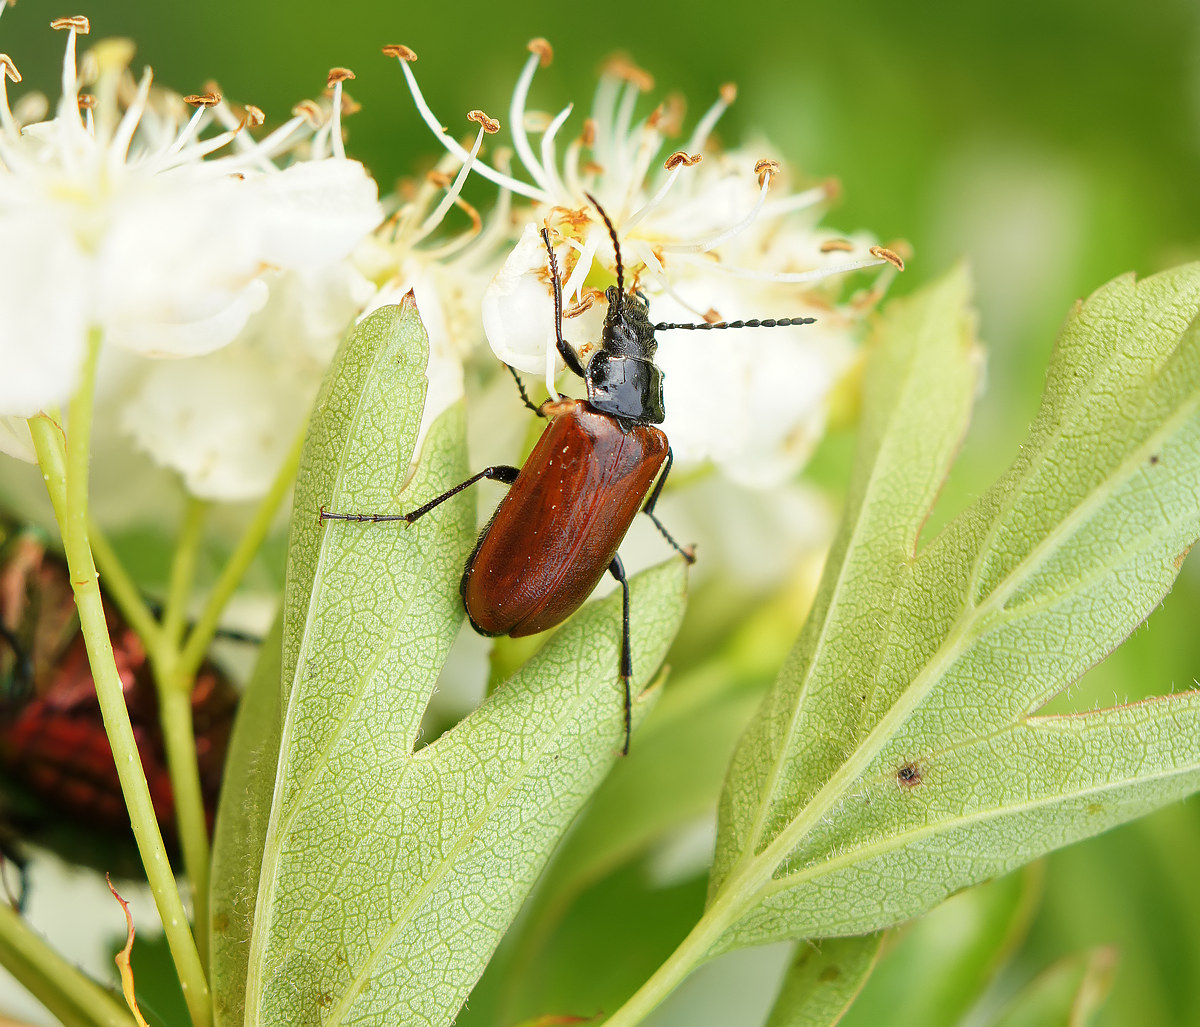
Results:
706 238
117 220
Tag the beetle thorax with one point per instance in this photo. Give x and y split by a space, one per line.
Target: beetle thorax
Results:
622 378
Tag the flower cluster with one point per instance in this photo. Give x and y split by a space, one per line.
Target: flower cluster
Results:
706 236
157 224
161 226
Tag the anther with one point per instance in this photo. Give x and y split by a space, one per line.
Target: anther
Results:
9 69
623 68
683 157
399 50
338 75
728 93
764 169
543 49
891 256
203 99
441 179
87 102
77 22
254 115
837 246
588 135
672 120
490 125
310 111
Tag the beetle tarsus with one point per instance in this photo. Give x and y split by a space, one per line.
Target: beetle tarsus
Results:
521 389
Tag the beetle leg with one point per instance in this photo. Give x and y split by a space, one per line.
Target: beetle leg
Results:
521 389
568 354
617 570
504 473
684 551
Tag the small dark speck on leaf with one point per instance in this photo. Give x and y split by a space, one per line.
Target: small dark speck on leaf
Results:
909 775
830 974
1154 458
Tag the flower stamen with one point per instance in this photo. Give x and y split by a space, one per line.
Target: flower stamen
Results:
704 127
539 57
334 81
764 169
487 126
405 56
674 164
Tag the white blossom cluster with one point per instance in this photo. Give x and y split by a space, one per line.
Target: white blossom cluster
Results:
218 263
705 235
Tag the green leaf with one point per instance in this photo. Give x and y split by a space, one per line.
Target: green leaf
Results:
391 872
936 969
241 830
1068 994
823 980
898 758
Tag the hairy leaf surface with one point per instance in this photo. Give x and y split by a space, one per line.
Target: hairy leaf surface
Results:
900 756
390 872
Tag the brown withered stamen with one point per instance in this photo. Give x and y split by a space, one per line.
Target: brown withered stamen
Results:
712 316
683 157
77 22
87 102
203 99
588 135
399 50
543 49
441 179
891 256
585 303
836 246
254 115
728 92
337 75
490 125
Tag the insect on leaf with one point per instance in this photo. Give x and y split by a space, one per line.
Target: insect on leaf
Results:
901 756
390 872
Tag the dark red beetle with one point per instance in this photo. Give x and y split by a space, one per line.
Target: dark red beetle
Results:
557 531
58 782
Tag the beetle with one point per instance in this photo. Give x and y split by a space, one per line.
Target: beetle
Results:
58 782
598 463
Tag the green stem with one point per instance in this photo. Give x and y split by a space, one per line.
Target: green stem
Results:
175 684
183 571
74 998
248 545
119 587
66 476
692 951
179 743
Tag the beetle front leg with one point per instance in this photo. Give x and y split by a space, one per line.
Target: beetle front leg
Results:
617 570
504 473
684 551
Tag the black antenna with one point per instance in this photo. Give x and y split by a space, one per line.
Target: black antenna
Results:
612 234
770 322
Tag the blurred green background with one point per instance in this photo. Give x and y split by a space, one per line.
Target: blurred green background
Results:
1055 145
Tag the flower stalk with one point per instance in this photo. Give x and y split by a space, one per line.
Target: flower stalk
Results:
64 463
